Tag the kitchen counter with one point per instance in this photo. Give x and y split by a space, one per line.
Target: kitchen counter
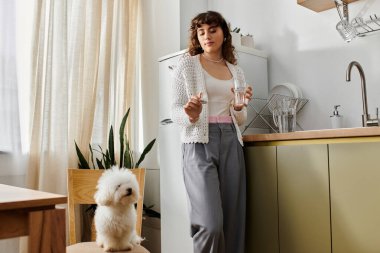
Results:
313 191
314 134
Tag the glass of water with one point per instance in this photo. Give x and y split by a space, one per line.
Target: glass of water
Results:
239 90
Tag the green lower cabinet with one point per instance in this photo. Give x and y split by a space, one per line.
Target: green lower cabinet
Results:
303 199
262 208
313 198
355 197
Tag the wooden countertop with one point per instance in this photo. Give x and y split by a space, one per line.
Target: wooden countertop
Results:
315 134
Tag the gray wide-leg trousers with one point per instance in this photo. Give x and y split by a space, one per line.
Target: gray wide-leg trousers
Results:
214 175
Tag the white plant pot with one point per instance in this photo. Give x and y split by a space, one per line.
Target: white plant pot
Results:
247 41
236 39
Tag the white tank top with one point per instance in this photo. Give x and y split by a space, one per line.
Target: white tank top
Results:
219 95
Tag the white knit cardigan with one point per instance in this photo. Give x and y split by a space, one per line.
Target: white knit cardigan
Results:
189 80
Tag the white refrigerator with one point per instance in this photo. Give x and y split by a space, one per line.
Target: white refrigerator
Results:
175 225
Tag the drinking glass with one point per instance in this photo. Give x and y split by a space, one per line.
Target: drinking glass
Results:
239 90
284 115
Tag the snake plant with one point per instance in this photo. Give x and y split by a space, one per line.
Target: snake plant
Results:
108 156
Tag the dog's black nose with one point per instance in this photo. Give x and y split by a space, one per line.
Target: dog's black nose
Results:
129 191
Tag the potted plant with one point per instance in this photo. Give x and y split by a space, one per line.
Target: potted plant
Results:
107 160
108 155
236 36
247 40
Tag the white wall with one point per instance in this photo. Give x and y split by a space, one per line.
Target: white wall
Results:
160 36
305 49
188 10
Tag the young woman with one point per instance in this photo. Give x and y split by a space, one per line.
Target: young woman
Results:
213 162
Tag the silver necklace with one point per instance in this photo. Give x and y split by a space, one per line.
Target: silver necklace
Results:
214 61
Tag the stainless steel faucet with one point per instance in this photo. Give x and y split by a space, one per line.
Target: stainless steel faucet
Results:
366 118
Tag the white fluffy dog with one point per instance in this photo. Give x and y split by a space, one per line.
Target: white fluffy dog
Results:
115 216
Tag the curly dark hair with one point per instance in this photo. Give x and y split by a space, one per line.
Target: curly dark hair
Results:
211 18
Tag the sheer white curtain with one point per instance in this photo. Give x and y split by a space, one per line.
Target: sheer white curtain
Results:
83 80
15 27
10 137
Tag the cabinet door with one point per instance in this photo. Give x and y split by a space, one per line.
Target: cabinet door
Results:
355 197
262 215
303 196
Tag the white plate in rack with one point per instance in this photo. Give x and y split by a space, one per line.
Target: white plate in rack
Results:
286 89
299 91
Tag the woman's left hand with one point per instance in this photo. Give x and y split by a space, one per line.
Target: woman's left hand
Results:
248 96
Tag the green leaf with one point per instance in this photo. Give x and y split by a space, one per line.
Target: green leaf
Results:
132 161
92 155
83 164
121 136
100 151
100 164
127 156
104 157
146 150
107 160
127 160
111 148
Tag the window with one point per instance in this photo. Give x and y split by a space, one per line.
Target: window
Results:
15 42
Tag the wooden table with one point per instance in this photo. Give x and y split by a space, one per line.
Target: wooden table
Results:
25 212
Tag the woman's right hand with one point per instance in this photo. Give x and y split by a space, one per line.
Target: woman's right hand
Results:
193 107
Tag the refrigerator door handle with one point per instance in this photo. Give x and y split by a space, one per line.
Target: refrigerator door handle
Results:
166 122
